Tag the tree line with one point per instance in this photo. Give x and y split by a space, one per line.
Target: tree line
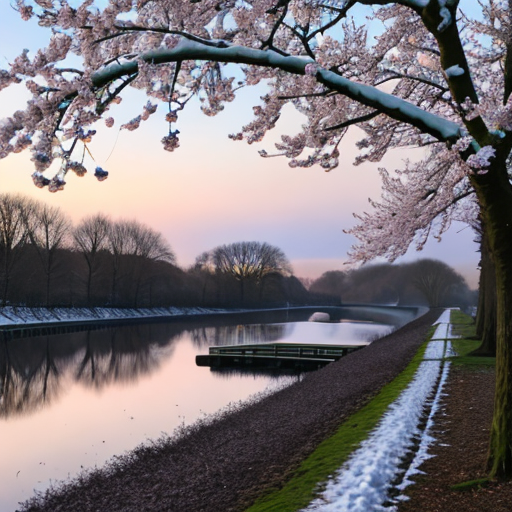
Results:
426 282
46 261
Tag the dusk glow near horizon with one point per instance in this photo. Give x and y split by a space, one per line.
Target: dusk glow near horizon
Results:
212 190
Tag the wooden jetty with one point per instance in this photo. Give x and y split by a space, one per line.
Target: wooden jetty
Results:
275 355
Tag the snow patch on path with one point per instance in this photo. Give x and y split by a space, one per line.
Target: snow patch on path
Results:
366 480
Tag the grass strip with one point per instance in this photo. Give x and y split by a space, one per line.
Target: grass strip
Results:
332 453
464 326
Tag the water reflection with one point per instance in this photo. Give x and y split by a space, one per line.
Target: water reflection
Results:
273 373
240 334
75 400
118 356
33 370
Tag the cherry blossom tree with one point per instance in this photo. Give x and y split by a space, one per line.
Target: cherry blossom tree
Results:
141 245
438 75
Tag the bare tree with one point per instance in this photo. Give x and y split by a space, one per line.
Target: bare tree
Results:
117 245
142 245
204 267
48 230
13 236
435 280
89 238
250 260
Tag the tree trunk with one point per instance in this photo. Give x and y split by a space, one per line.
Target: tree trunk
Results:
113 291
48 279
500 457
89 283
495 196
480 311
486 314
242 291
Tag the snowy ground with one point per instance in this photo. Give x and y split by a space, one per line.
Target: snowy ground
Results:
30 316
372 478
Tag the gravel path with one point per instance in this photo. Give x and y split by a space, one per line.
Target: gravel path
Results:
227 462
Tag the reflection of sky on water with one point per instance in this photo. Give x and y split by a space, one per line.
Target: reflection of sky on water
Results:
73 401
335 333
342 333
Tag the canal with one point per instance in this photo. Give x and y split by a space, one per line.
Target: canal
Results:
72 401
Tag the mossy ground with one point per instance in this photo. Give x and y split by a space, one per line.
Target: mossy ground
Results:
464 326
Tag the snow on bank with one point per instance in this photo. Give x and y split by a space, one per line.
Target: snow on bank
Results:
28 316
366 480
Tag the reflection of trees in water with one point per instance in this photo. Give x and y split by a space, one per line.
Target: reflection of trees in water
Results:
239 334
34 370
117 357
28 381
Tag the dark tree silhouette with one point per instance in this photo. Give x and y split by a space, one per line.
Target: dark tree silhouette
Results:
13 236
249 261
48 230
89 238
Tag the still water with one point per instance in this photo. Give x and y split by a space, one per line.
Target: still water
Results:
73 401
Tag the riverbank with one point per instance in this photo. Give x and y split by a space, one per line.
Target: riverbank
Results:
226 462
11 316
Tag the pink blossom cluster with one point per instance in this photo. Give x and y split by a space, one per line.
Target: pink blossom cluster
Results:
417 202
77 167
100 174
171 141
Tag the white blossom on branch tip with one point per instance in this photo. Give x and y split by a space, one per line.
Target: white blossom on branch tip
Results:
481 159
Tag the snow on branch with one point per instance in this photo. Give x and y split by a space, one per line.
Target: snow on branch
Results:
394 107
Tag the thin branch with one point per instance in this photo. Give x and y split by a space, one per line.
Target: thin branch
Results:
119 89
435 51
270 40
128 56
174 80
312 95
123 30
350 122
302 39
342 14
69 70
456 200
396 75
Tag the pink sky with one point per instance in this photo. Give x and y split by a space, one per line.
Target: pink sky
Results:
212 190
